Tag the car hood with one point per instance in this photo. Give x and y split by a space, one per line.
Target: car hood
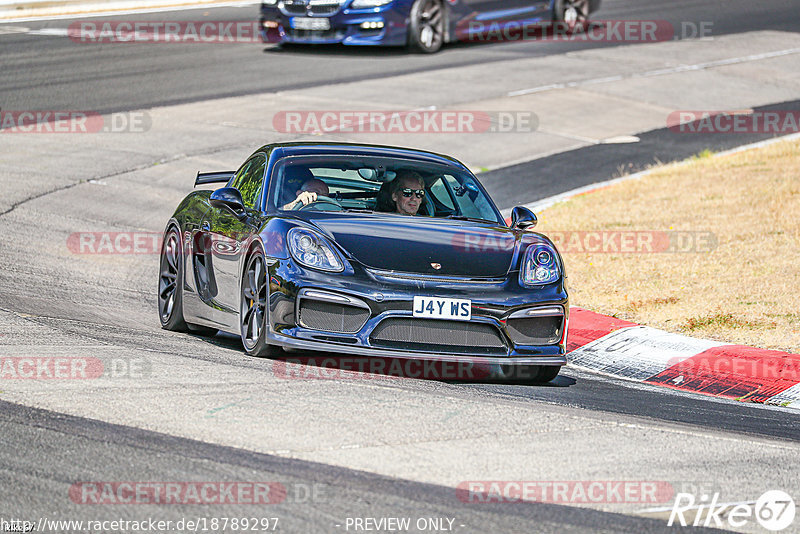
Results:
419 245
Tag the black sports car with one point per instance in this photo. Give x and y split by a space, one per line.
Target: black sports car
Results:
364 250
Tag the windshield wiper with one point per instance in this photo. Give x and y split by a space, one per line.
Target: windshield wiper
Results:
359 210
473 219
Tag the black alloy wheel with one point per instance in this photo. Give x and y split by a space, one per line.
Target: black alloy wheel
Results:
253 309
170 290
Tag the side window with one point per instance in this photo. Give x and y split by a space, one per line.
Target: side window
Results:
249 179
439 193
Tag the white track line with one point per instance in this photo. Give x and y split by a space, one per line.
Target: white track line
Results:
561 197
659 72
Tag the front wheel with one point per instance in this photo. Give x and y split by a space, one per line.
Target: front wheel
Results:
253 309
426 26
573 13
546 373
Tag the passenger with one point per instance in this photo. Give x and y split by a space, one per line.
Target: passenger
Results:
407 192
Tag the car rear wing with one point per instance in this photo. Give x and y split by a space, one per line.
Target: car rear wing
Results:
213 177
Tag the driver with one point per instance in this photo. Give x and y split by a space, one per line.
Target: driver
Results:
408 192
308 193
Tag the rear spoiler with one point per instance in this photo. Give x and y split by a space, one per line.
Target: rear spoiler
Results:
213 177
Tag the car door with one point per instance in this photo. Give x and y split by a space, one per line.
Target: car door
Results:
228 232
488 11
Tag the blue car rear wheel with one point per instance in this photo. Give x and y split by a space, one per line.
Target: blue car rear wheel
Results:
426 27
573 13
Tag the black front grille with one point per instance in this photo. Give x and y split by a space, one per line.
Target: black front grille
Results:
544 330
330 317
301 8
312 35
433 335
295 8
327 9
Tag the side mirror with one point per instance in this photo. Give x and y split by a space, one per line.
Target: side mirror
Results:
228 197
523 218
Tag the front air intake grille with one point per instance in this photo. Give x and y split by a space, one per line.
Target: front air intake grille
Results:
544 330
298 7
326 9
314 35
434 335
330 317
294 8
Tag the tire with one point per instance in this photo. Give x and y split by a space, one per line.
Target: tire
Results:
170 288
426 26
205 331
253 312
574 13
547 373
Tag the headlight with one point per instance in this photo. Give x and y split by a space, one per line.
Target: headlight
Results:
364 4
311 250
539 265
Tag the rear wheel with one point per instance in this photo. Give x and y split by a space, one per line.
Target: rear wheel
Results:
170 288
253 309
426 27
573 13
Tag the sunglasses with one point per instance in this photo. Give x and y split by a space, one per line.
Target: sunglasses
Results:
408 192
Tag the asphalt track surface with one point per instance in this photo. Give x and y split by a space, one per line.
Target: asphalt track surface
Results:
551 175
40 72
43 450
318 496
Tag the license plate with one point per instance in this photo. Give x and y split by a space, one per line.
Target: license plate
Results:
310 23
441 308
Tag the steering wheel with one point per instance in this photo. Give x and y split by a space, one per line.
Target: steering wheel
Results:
322 201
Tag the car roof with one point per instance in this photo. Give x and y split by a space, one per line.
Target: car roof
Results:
300 148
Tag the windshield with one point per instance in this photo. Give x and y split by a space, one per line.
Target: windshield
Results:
372 184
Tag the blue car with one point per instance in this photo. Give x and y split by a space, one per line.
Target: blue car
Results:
422 25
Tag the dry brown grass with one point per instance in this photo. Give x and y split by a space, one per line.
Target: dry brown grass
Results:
744 291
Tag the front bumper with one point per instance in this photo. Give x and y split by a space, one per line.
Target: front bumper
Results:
377 317
381 26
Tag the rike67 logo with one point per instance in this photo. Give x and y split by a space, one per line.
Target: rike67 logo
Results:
774 511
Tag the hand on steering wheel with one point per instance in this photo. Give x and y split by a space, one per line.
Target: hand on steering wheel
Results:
320 199
303 199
